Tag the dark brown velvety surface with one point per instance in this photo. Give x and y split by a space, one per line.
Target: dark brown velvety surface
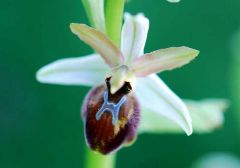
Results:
102 135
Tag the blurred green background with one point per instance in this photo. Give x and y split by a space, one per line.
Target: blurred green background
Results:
40 125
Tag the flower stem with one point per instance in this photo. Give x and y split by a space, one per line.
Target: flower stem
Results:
114 15
97 160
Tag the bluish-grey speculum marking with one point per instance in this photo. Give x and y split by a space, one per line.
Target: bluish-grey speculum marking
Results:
110 107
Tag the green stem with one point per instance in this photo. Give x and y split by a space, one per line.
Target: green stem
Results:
113 18
114 15
97 160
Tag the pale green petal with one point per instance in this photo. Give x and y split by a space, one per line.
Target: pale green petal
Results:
160 102
207 115
88 70
163 59
100 42
134 36
95 11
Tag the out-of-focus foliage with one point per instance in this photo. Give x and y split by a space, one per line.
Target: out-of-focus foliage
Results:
217 160
235 74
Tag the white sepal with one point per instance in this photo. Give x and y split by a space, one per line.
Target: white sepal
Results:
155 96
88 70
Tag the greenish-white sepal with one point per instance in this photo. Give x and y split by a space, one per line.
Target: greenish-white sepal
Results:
207 115
99 42
163 59
134 36
159 100
88 70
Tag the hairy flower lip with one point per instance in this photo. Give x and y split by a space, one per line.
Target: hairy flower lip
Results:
102 135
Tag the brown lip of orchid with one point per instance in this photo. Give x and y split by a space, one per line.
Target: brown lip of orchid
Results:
161 110
110 120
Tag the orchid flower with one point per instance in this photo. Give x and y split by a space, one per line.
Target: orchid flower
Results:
127 96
